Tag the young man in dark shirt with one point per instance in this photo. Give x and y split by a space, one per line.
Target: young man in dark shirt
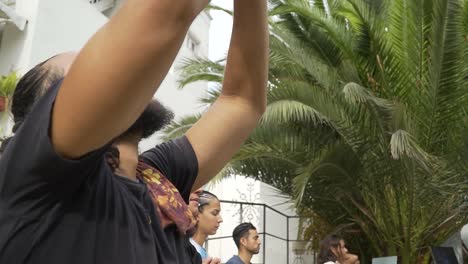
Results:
248 243
60 200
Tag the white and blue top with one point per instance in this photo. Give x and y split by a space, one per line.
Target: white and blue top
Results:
200 249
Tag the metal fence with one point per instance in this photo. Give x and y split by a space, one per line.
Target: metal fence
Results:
277 230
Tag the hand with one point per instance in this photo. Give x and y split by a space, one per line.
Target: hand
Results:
211 261
351 259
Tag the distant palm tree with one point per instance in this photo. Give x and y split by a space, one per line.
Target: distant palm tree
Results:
7 88
366 124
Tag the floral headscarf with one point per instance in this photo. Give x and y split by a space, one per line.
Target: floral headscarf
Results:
166 198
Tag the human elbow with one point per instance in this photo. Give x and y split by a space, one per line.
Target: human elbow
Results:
262 108
259 99
257 107
177 12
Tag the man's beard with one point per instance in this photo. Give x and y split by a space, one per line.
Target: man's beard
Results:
254 251
154 118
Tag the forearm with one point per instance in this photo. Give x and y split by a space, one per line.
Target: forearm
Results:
117 73
219 134
246 73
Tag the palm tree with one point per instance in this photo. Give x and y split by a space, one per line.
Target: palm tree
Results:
366 124
7 88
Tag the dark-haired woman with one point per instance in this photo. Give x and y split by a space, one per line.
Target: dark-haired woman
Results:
333 251
208 214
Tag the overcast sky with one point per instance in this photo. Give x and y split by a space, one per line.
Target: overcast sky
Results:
220 31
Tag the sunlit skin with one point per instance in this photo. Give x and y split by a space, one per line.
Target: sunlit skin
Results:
128 146
110 83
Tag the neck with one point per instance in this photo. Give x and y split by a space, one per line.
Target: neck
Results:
199 238
245 256
128 160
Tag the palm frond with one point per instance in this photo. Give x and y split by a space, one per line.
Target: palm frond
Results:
193 70
366 122
178 128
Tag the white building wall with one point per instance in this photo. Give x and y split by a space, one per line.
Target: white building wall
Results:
63 26
16 45
54 26
13 49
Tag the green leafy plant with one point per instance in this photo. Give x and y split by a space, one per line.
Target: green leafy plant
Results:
366 123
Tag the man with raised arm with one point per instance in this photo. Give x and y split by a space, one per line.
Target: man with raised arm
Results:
73 188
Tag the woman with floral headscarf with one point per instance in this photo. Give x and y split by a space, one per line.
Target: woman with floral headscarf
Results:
206 208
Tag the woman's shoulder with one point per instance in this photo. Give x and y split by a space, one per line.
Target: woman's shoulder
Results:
199 249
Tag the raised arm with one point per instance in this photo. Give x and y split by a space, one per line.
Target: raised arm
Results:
117 73
219 134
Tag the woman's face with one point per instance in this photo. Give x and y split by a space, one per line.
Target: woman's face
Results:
210 218
340 251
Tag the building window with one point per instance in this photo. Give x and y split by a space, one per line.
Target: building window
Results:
102 5
193 44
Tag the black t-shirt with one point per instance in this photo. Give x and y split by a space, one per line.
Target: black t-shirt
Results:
57 211
192 252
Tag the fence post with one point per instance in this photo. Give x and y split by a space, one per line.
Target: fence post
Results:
287 242
264 233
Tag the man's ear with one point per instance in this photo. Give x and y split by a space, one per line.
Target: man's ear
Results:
243 241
